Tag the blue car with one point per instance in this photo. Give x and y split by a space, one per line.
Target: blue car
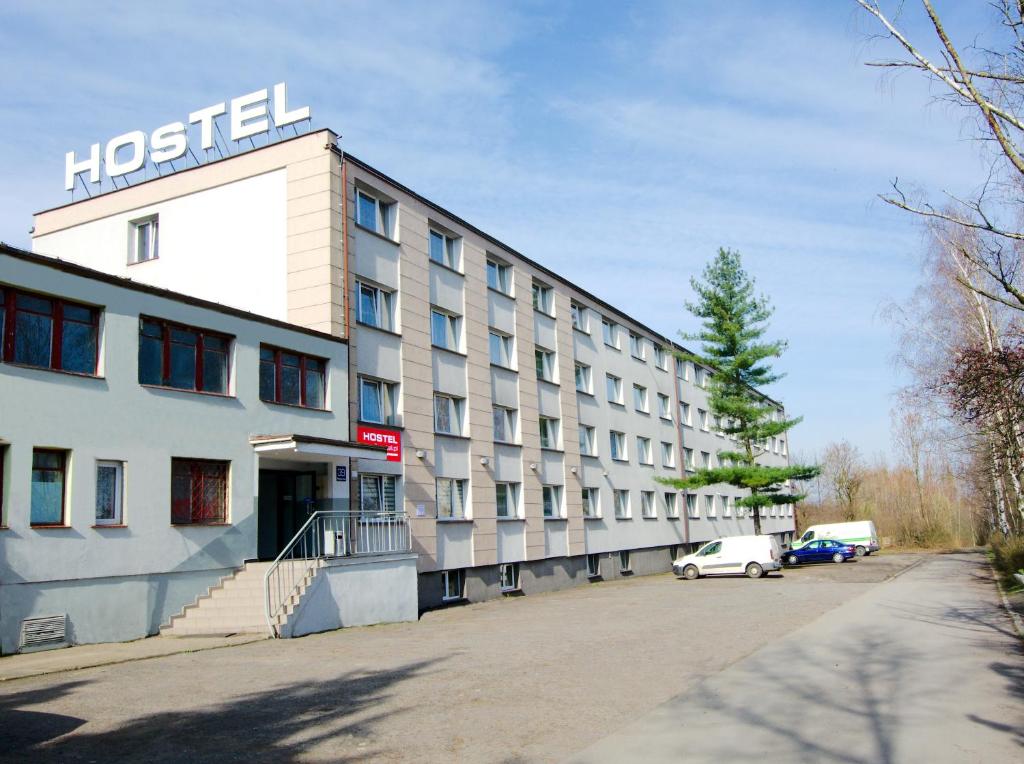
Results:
822 550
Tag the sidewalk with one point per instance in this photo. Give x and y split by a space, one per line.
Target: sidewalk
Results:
88 656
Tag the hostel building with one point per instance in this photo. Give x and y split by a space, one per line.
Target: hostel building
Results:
524 418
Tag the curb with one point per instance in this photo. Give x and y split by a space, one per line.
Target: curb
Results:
1018 624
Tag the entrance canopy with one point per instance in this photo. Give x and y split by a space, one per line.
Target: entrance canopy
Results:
309 448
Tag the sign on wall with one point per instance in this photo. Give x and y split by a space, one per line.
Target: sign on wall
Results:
378 436
249 115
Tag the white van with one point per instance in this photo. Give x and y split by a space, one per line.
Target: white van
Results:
749 555
860 534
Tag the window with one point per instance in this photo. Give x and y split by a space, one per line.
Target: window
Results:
377 495
587 441
448 414
664 406
183 357
545 360
507 498
501 349
109 493
445 330
730 506
451 499
717 424
668 454
199 492
548 432
580 317
682 369
593 565
705 460
784 448
591 502
499 276
49 486
614 386
378 401
691 506
688 458
375 214
48 333
618 446
709 506
504 424
660 358
621 504
552 500
3 505
647 508
584 383
543 298
702 418
699 376
375 307
610 332
640 399
287 377
624 562
452 582
445 249
508 576
144 240
671 505
643 450
636 346
684 414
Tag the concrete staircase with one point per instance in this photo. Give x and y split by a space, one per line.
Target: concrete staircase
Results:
236 604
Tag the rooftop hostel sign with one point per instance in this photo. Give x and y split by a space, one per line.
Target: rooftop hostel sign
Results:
248 115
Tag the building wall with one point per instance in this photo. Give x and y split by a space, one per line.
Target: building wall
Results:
112 417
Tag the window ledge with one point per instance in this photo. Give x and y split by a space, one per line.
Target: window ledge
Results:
592 456
665 418
552 449
447 350
620 461
673 517
620 404
101 526
143 262
585 392
381 329
556 519
613 347
592 517
379 424
498 291
511 519
190 392
65 372
623 518
638 358
543 312
548 382
507 443
445 266
379 235
296 406
650 517
502 366
581 330
451 435
641 411
49 527
200 525
454 519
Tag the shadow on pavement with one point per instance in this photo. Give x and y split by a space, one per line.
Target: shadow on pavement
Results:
21 730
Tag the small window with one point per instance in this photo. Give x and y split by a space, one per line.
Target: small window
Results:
552 500
671 506
593 566
445 330
508 576
584 383
664 406
640 402
643 450
549 432
617 442
668 454
144 240
591 502
660 358
637 346
587 441
292 378
501 350
48 333
499 276
688 458
699 376
109 493
709 506
451 499
610 333
624 562
49 486
730 506
580 317
647 506
614 387
452 582
702 418
448 414
705 460
545 360
183 357
377 495
199 492
375 214
543 298
504 424
684 414
445 249
691 506
375 307
621 498
378 401
682 369
507 499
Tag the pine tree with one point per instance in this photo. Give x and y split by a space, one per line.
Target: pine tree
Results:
734 320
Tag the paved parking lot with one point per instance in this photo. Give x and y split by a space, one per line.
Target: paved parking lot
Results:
523 679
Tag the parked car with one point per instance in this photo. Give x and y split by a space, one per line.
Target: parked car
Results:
861 534
822 550
752 556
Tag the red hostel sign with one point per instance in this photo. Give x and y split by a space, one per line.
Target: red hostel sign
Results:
376 436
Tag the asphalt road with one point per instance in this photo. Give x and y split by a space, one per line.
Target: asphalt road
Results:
923 668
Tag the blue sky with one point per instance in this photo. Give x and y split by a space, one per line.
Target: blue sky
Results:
619 144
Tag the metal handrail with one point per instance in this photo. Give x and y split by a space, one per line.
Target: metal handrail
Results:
329 533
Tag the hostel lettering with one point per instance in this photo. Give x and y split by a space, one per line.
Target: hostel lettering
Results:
375 436
248 116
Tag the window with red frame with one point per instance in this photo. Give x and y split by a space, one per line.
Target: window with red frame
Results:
199 492
183 357
287 377
48 332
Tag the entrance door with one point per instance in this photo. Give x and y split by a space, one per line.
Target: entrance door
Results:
286 500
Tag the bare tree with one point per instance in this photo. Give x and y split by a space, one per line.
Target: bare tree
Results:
842 470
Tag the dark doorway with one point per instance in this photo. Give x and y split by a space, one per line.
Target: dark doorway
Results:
286 500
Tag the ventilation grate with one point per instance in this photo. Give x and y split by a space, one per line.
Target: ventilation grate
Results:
43 633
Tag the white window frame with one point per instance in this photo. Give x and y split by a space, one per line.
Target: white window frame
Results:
510 421
644 452
641 401
458 489
705 460
549 429
551 496
593 565
506 348
456 411
584 374
384 305
151 223
543 297
383 214
620 499
617 446
668 454
512 507
702 417
380 489
613 387
688 463
692 506
588 440
730 506
660 358
685 414
648 505
625 563
118 467
709 505
446 580
452 339
671 504
637 347
388 396
664 407
508 576
548 370
610 333
591 501
451 249
580 317
503 279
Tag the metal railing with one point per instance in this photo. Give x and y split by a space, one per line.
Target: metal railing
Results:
328 533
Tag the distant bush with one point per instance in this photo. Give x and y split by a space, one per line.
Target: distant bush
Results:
1008 554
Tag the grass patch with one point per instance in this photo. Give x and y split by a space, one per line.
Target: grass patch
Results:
1008 558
